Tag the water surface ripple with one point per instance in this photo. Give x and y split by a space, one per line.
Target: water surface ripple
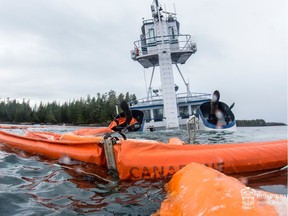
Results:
32 185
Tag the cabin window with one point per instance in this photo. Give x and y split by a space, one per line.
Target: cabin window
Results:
171 32
151 36
147 115
194 109
143 44
184 112
158 114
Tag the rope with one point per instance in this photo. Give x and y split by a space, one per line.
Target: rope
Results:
267 173
87 173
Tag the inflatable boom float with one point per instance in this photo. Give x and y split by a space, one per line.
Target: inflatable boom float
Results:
213 193
147 159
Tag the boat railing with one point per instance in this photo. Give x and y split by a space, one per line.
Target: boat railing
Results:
146 21
180 97
177 43
191 120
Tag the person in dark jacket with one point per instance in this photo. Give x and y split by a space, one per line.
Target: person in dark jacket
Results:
128 113
214 107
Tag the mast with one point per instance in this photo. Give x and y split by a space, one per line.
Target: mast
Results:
166 71
162 45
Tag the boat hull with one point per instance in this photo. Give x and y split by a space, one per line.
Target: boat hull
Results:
228 123
203 125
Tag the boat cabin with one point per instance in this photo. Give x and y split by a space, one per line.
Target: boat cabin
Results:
146 51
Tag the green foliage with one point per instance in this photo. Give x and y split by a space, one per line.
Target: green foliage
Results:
14 111
258 123
250 123
92 110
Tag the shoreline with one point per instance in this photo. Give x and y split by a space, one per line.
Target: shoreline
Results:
268 124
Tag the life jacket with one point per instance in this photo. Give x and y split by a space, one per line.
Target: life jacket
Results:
120 124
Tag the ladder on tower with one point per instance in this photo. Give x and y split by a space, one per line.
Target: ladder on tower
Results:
167 78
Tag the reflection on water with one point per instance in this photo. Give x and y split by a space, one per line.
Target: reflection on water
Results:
32 185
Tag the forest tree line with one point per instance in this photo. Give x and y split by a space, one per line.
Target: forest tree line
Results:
92 110
257 122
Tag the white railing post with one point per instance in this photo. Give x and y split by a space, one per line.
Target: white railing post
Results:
189 122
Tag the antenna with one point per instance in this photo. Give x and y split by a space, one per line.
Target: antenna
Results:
169 13
156 2
165 9
174 8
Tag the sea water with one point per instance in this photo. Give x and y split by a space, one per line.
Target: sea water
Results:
32 185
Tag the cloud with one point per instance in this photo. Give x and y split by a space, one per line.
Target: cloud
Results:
60 50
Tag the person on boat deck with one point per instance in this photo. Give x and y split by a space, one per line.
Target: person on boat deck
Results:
126 121
214 107
127 112
218 114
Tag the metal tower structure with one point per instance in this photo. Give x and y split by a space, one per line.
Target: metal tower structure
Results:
162 45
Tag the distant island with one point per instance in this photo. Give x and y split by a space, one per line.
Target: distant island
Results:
257 123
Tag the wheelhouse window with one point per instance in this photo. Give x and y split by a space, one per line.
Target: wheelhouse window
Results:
158 114
171 32
151 36
184 112
147 115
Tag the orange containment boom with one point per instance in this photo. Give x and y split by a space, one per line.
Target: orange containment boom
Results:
138 160
148 159
48 145
200 190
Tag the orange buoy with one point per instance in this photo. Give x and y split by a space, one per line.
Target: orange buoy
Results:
43 135
200 190
70 136
92 131
13 127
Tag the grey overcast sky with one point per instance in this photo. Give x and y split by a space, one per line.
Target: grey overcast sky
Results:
66 49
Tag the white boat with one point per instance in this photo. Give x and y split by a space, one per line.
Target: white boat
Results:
161 45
